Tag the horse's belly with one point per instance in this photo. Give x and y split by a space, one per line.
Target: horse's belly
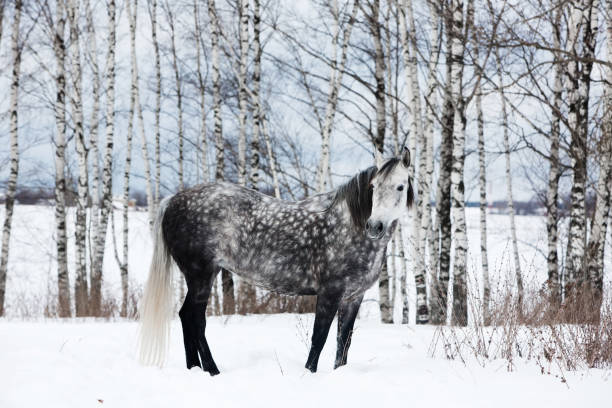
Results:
274 276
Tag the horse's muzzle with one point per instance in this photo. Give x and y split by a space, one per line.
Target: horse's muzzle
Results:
375 229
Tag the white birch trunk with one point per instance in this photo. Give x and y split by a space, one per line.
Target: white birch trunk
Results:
11 186
227 283
123 263
599 227
133 19
179 97
386 308
418 238
59 48
431 112
94 123
76 101
106 203
323 174
460 312
482 184
158 91
218 125
439 297
554 174
202 90
243 14
256 137
505 125
577 228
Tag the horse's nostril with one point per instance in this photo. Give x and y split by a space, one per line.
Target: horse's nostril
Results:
379 227
367 225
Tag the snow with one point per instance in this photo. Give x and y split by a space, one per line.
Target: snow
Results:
77 363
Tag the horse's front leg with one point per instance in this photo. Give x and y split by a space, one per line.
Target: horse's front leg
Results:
327 306
347 313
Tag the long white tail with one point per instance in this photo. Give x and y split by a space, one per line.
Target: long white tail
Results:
156 305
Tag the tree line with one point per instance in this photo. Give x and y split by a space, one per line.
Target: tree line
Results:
256 92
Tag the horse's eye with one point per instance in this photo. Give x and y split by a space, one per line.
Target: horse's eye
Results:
400 187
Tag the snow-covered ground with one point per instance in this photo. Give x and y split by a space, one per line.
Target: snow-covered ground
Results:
261 358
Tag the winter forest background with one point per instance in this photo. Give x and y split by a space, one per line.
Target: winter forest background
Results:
506 107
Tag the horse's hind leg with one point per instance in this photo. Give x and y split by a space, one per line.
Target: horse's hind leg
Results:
347 313
327 306
193 319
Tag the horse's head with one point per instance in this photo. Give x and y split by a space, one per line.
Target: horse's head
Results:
391 194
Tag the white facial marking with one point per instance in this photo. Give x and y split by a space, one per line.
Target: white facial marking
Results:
389 195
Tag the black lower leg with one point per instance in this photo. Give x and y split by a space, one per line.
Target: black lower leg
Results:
208 364
327 306
189 332
347 314
193 318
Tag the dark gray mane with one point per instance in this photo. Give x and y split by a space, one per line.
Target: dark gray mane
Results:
358 192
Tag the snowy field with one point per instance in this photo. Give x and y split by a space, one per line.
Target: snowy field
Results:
261 358
32 280
76 363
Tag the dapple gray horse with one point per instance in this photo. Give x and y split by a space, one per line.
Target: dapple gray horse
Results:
331 245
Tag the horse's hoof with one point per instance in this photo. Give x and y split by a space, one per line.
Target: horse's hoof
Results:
213 371
339 364
311 368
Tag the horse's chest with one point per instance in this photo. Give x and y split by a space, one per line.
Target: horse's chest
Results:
359 267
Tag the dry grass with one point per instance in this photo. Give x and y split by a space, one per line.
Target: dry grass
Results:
558 338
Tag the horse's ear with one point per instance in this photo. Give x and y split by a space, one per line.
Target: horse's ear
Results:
406 156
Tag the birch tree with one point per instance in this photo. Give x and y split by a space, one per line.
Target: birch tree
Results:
426 176
202 90
256 137
505 126
133 19
170 18
216 79
554 174
431 109
227 282
443 195
59 48
76 102
123 264
106 203
583 21
94 123
158 91
482 185
11 186
599 226
459 315
378 139
248 291
408 37
243 15
337 71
